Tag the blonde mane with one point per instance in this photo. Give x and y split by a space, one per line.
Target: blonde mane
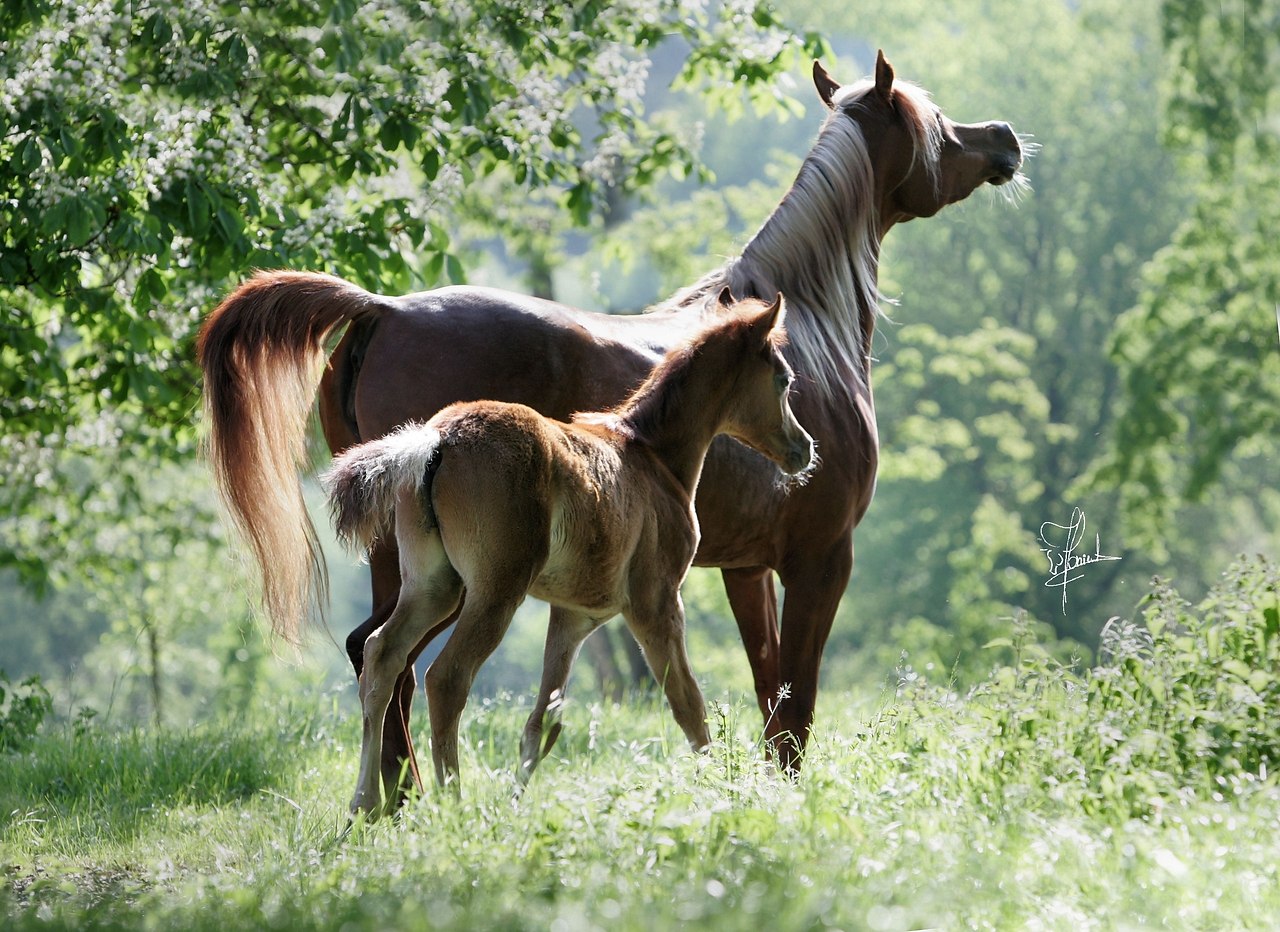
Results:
820 246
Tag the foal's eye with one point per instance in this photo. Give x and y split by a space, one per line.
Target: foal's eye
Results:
782 381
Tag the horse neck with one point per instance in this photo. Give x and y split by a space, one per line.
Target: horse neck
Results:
821 249
678 412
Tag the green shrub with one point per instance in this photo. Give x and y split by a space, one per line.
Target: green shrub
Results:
22 709
1193 692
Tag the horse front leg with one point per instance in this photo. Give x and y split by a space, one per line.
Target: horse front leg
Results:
754 602
661 635
814 583
565 634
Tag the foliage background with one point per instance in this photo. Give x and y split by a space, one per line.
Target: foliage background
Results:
1108 343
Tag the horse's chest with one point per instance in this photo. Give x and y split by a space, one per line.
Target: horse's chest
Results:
751 515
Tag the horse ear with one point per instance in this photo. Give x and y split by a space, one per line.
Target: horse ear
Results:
770 319
777 311
884 77
726 296
826 85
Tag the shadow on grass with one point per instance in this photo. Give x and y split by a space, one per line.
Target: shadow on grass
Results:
101 785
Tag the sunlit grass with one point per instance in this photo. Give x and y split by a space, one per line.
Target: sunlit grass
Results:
1141 793
894 825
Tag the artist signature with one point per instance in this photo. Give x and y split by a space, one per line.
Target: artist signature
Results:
1060 542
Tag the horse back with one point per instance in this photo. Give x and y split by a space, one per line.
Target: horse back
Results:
461 344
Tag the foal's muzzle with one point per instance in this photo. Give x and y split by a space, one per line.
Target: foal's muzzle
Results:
799 456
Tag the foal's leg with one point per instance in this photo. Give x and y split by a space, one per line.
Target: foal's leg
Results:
429 594
661 636
398 758
755 607
565 635
484 619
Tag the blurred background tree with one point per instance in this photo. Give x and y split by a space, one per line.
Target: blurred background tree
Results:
1200 352
1108 343
152 154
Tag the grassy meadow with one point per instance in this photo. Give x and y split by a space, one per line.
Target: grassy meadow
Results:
1140 792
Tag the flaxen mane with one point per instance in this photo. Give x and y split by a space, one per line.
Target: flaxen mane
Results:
821 244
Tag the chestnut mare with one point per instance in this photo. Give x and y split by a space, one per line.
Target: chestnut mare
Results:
594 516
885 154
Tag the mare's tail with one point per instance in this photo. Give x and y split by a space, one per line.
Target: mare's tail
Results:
365 482
262 353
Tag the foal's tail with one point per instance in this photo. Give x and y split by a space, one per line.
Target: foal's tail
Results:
365 481
262 352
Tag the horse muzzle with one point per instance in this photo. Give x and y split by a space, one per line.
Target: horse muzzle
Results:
798 457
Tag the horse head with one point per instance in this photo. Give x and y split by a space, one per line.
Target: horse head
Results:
924 159
761 415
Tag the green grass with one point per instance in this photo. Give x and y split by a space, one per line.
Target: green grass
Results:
1141 793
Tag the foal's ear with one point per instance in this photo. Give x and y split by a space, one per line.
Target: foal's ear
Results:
770 319
726 296
884 77
826 85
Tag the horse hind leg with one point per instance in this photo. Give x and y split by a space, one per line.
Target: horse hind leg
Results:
400 773
486 614
565 634
430 593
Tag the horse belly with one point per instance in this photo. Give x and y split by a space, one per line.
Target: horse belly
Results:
581 585
584 569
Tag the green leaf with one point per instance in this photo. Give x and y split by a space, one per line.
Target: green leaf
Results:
1237 668
81 222
579 203
151 287
158 30
431 163
29 155
198 207
434 268
234 53
453 268
389 135
230 223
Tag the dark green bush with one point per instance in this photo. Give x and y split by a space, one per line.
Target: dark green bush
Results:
22 708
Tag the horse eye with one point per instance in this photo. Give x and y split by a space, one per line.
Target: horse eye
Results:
782 380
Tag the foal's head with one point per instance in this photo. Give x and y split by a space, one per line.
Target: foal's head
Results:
759 408
924 161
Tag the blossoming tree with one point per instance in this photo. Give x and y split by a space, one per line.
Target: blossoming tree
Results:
149 152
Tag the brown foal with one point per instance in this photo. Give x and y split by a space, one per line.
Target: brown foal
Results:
594 516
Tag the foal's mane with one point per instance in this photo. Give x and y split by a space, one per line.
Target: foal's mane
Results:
668 389
820 246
